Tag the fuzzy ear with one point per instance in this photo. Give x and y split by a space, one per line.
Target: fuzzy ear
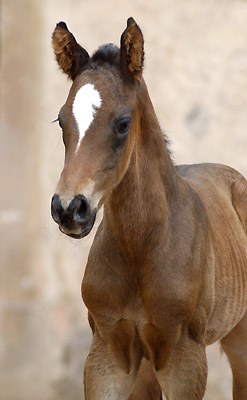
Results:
132 51
71 57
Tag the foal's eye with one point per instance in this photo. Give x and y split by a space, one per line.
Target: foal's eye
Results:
122 126
59 122
61 126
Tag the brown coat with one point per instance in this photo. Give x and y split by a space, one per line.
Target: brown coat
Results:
167 272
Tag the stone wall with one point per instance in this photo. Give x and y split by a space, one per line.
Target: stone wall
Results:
196 71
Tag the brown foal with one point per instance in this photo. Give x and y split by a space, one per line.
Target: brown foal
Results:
167 272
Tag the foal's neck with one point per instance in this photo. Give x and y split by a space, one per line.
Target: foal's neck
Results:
140 203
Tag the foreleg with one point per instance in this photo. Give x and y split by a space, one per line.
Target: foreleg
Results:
180 363
103 379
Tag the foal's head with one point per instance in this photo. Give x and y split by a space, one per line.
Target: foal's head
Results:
98 124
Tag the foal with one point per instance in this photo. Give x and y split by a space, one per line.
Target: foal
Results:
167 272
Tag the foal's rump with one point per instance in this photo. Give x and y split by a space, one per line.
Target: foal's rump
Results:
216 182
223 192
239 199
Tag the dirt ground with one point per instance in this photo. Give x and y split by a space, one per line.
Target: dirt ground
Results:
196 72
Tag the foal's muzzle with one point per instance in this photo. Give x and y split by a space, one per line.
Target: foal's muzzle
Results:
77 219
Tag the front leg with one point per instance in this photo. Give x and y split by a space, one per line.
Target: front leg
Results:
103 378
145 385
180 363
187 376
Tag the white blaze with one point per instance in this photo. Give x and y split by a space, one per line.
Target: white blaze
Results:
86 103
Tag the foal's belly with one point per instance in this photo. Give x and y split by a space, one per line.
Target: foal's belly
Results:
225 318
230 299
214 184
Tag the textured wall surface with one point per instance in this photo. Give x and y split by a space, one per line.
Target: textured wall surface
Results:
196 72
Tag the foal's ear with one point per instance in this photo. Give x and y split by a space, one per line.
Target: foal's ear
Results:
71 57
132 51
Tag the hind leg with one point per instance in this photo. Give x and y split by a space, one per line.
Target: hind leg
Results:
235 347
146 386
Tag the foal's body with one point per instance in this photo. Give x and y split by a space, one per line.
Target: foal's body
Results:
167 272
179 279
220 188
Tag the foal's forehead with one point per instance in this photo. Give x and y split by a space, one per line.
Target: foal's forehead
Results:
107 81
94 92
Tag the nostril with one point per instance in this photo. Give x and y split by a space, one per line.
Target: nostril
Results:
80 208
56 208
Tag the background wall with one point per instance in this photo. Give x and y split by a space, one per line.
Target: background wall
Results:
196 71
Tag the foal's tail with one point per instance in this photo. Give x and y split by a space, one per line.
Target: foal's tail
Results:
239 199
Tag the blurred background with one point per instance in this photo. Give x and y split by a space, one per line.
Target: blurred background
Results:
196 72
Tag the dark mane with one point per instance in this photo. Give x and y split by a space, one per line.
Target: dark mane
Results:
108 53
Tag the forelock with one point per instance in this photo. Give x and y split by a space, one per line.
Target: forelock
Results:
108 53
